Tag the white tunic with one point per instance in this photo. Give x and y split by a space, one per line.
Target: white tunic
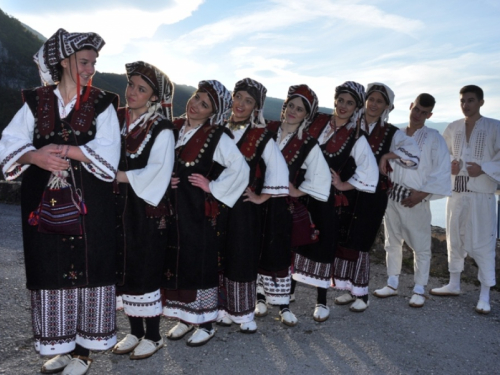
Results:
317 179
483 148
403 146
17 139
151 182
365 177
433 172
233 180
276 177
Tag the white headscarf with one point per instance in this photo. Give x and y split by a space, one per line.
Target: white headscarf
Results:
388 95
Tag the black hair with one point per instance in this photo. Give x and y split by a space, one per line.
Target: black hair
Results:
474 89
305 102
426 100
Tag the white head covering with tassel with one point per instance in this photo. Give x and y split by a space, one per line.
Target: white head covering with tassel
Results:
388 95
257 91
304 92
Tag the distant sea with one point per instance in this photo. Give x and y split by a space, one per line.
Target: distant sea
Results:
438 211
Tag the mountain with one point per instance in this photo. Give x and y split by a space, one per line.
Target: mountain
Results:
18 44
439 126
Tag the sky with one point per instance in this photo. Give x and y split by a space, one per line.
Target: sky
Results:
412 46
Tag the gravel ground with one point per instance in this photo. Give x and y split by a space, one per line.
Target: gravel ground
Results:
446 336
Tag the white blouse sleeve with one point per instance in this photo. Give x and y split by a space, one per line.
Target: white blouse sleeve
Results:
233 180
365 177
276 177
104 150
151 182
406 149
317 177
17 140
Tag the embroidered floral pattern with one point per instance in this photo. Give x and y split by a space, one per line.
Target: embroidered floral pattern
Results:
13 154
100 160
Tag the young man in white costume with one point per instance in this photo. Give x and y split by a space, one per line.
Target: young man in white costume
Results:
474 145
408 214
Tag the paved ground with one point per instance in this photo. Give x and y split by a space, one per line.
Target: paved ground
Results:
446 336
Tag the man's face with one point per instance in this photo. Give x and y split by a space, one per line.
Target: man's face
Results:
418 114
470 104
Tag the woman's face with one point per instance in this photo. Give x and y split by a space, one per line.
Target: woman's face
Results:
81 63
345 105
138 93
199 107
243 105
295 111
375 105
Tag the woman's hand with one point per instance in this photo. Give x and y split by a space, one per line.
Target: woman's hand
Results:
255 198
174 182
48 157
294 192
338 184
200 181
122 177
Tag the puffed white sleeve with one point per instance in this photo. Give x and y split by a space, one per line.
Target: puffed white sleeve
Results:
16 140
492 167
406 149
276 176
365 177
437 183
104 150
151 182
233 180
317 179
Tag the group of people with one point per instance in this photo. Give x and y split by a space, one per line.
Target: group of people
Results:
214 216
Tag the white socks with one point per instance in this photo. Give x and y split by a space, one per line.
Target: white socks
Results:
393 281
419 289
454 281
484 295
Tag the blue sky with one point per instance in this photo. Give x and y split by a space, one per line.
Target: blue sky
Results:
412 46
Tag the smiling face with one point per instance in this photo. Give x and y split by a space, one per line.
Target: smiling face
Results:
81 63
374 107
345 105
138 93
199 108
243 105
295 111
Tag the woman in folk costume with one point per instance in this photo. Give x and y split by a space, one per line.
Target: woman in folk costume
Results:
69 129
146 164
353 169
268 178
361 219
308 174
210 176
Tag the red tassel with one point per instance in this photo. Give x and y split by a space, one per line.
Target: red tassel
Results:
83 207
341 200
77 105
34 218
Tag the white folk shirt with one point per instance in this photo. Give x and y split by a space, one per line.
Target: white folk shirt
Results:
483 148
151 182
103 151
276 177
233 180
365 177
403 146
434 169
317 179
